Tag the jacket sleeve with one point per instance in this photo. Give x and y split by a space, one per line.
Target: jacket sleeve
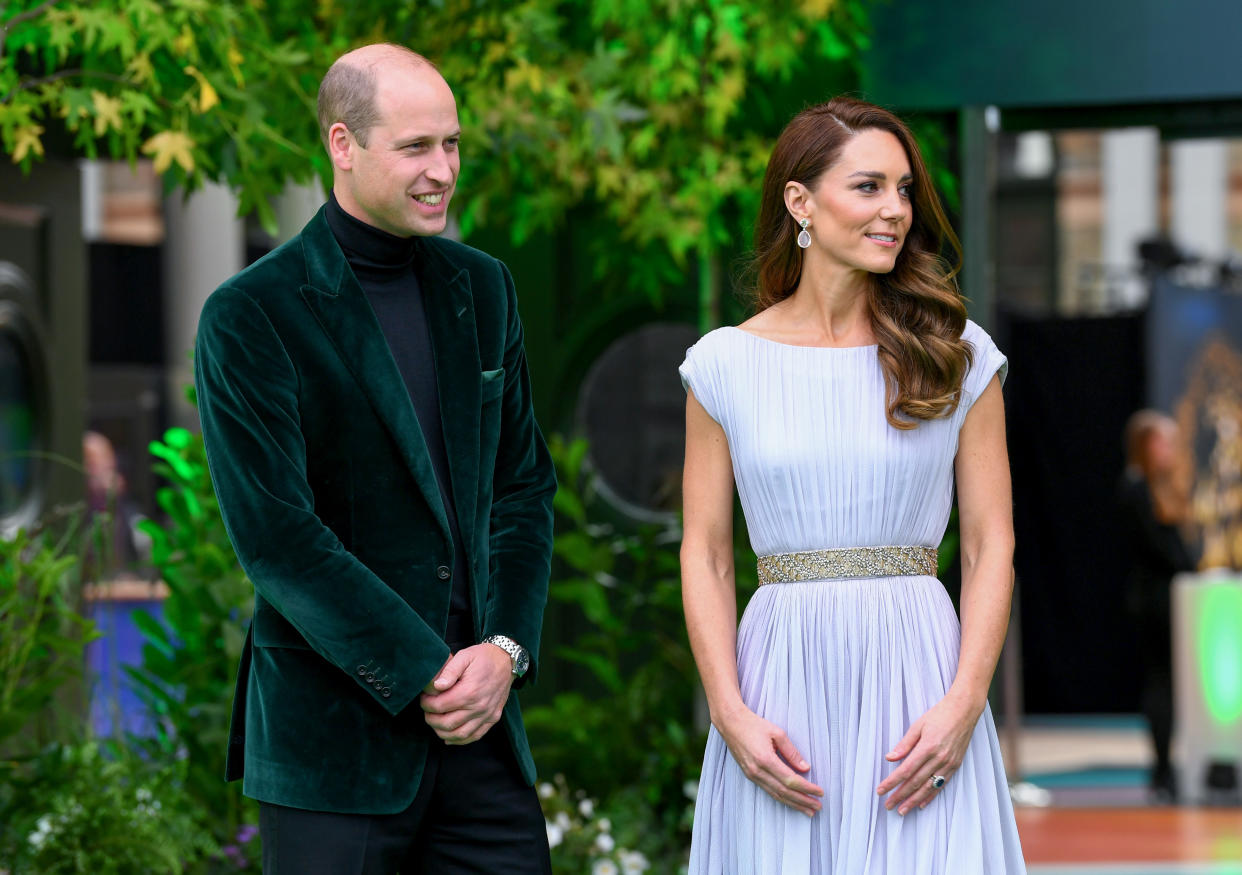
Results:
248 401
523 486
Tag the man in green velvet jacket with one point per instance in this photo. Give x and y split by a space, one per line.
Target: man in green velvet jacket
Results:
367 413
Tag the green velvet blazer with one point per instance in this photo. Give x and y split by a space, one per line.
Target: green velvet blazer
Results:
331 502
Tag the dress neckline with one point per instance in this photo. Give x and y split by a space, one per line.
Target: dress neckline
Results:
798 345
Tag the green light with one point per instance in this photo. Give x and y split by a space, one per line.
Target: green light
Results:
1220 651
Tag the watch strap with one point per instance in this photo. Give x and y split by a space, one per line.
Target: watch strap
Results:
518 653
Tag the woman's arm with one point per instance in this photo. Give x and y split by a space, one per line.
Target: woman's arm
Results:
937 742
761 748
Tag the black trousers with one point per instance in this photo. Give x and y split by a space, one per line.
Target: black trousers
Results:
473 814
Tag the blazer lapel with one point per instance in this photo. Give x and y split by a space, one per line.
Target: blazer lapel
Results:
342 310
455 344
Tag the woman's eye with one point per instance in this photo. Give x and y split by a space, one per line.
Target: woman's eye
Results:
905 190
867 186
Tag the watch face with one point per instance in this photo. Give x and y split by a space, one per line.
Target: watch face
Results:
521 663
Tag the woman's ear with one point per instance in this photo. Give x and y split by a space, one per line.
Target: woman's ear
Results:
797 200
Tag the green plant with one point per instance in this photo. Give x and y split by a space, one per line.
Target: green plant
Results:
42 636
75 809
189 659
584 837
659 114
632 741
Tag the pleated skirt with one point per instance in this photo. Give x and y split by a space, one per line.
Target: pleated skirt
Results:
845 667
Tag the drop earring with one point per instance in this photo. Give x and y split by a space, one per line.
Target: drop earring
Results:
804 236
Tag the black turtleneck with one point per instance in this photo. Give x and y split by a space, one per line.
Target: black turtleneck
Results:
384 266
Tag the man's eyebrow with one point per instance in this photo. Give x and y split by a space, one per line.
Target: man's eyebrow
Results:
417 138
875 174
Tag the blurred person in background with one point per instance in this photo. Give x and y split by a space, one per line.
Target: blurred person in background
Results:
107 497
850 728
1154 504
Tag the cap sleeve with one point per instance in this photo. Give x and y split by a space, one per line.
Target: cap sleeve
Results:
987 360
700 376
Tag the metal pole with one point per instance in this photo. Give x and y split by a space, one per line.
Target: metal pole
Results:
977 127
1011 689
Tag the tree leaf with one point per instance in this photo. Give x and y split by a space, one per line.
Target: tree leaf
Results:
167 147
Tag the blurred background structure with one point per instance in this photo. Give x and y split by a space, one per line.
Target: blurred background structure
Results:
1090 154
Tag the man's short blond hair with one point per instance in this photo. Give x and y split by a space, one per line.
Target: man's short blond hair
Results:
347 92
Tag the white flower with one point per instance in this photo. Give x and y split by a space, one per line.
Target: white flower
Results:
546 790
604 866
604 842
142 794
604 824
43 830
691 789
555 835
586 807
633 862
562 820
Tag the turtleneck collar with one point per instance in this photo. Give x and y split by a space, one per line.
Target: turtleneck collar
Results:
366 247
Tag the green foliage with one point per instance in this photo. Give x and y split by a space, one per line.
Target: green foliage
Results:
660 113
587 838
197 86
73 809
627 734
189 661
42 636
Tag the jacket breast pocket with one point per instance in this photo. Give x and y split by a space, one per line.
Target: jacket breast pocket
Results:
493 385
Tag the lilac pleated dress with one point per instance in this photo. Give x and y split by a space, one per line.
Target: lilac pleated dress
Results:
843 666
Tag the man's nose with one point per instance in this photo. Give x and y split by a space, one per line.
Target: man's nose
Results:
440 170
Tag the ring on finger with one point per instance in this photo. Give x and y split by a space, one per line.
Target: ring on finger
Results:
937 781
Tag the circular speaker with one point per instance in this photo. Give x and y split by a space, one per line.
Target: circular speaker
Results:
25 406
632 410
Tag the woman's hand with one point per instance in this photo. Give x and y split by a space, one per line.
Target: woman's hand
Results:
935 745
769 758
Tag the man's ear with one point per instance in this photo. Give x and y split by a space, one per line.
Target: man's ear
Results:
341 145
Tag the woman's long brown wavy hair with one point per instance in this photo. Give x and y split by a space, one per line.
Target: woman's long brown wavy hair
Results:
917 313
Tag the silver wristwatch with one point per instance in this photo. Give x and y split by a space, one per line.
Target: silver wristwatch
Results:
521 659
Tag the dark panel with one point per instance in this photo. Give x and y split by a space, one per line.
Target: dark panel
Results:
1072 384
937 54
127 321
41 232
1026 244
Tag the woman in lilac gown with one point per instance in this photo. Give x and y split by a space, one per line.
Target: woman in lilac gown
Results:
850 728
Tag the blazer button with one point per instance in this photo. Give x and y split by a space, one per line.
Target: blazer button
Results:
386 692
443 572
370 677
362 671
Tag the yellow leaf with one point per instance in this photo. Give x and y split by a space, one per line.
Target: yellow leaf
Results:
170 146
207 97
816 8
183 43
107 112
140 69
235 59
27 141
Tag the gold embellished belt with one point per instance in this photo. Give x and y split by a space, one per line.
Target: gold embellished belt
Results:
848 562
